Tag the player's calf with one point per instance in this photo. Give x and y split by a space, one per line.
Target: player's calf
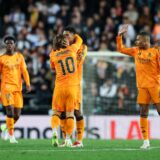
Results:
79 128
63 124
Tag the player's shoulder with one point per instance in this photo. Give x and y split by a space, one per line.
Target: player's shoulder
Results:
157 48
136 49
19 54
154 49
3 56
52 52
61 52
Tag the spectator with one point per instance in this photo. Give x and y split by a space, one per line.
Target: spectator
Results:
132 14
108 89
35 23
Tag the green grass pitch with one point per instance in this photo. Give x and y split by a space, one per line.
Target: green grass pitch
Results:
93 150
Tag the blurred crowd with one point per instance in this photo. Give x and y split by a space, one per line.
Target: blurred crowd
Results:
110 87
35 22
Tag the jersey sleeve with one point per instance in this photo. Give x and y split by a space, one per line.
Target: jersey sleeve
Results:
121 48
24 71
51 60
81 55
77 44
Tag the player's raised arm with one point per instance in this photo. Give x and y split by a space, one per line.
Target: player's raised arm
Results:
78 42
120 46
25 74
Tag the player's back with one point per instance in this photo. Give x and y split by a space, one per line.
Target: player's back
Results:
65 64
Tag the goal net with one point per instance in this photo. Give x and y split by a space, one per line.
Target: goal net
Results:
109 84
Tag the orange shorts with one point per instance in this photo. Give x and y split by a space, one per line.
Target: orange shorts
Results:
64 99
148 95
79 98
12 98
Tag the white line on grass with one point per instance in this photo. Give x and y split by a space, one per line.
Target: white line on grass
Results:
78 150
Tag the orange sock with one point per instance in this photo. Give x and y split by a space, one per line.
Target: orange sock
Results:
63 127
69 126
10 125
144 127
55 122
80 129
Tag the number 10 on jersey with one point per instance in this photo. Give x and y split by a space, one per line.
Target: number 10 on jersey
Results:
67 65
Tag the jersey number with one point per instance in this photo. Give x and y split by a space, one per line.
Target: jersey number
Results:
66 63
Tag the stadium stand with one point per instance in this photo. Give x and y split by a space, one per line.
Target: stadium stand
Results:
34 23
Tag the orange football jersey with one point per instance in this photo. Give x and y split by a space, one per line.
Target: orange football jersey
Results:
81 55
64 61
147 64
11 68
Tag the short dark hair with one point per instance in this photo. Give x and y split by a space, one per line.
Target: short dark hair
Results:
70 29
9 37
58 41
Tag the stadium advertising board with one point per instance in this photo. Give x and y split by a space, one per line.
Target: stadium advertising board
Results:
99 127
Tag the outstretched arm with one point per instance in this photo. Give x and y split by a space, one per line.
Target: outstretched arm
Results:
120 46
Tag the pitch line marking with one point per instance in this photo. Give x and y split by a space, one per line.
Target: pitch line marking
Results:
79 150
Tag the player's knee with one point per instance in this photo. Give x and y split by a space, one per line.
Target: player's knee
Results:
144 115
144 109
78 115
10 115
63 116
56 113
16 117
70 114
9 112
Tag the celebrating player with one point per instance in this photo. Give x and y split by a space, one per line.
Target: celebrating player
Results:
70 32
12 67
147 63
63 59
